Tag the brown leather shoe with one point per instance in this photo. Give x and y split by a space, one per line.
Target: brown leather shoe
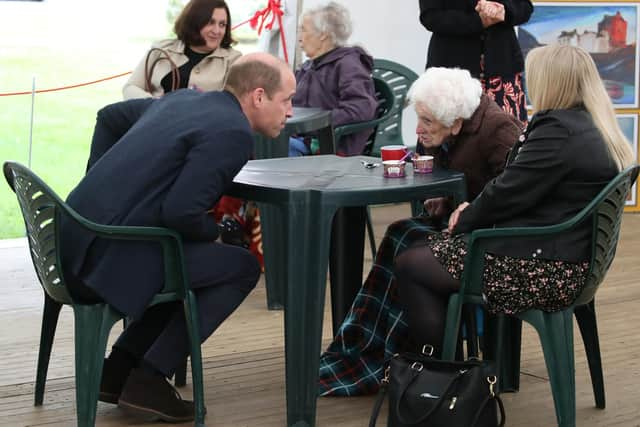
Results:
151 396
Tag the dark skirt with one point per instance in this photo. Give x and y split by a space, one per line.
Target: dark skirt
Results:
513 285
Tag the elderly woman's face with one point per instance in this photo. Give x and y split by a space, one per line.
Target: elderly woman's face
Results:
431 132
309 38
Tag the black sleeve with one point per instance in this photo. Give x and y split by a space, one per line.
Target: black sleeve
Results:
204 177
536 170
112 122
517 12
436 18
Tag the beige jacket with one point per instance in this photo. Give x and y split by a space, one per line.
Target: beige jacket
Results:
209 74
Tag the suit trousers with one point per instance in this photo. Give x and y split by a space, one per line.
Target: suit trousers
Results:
221 276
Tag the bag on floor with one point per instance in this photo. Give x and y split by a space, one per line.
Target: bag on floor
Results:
424 391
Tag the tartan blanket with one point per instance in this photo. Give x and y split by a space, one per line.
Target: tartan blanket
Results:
374 329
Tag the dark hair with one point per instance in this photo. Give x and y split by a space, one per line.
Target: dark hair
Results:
195 15
247 75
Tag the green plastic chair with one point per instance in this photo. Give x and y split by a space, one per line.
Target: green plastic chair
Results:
555 329
386 105
41 210
399 78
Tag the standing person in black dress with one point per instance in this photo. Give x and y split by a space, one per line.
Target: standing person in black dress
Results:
478 36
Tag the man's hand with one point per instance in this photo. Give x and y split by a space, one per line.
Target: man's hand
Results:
490 12
231 233
453 219
437 207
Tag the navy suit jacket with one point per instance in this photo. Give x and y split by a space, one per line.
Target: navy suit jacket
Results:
167 170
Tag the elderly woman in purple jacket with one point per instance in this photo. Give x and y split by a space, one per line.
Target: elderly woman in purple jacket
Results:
335 77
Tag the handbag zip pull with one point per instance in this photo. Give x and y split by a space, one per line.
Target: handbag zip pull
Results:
454 399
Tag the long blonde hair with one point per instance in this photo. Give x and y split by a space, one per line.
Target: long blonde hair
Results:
561 77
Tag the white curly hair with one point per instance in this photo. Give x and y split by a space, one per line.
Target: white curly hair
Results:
448 93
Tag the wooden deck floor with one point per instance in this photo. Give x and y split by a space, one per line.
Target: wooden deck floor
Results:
244 363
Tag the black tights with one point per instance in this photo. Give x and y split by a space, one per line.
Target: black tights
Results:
424 287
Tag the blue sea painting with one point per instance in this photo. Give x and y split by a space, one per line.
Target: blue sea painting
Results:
608 31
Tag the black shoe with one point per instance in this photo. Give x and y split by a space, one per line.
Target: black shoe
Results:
151 396
113 378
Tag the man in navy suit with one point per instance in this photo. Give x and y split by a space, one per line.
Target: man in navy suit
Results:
173 159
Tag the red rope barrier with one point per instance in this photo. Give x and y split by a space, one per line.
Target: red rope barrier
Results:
66 87
273 10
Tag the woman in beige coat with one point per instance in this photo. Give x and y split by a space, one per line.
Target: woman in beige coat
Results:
198 58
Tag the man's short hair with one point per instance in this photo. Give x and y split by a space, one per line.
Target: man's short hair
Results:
248 75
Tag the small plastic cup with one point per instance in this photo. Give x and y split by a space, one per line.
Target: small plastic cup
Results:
423 164
393 152
393 168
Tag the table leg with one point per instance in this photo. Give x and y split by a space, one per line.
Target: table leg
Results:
307 254
346 258
272 220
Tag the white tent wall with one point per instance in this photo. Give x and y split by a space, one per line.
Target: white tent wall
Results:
384 28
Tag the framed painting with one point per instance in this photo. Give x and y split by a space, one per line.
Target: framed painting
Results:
629 125
608 31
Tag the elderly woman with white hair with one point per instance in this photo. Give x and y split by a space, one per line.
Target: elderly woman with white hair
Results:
465 131
336 77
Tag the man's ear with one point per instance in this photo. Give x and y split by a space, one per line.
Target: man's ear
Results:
257 97
457 125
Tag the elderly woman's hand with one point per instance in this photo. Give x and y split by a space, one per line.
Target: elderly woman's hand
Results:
453 219
490 12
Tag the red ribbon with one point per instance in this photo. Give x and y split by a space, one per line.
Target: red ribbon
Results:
272 12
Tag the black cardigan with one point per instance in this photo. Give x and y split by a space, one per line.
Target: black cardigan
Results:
558 167
459 39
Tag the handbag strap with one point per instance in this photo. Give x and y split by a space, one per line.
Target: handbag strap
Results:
382 393
435 406
148 71
484 403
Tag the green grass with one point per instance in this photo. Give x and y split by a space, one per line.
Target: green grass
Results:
63 123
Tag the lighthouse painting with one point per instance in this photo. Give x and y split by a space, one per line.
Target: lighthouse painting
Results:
608 31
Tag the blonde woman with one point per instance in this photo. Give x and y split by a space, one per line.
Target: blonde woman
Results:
199 57
571 149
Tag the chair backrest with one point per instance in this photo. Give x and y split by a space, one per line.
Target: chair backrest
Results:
399 78
386 104
606 213
40 210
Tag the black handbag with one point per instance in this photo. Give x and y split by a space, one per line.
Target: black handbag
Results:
424 391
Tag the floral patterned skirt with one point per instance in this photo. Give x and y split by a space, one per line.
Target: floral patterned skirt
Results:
513 285
508 93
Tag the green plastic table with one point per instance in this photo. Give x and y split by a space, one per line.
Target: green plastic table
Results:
304 120
306 192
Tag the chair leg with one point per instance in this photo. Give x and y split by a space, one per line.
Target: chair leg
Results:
586 317
92 326
556 335
191 315
471 330
372 237
49 322
180 377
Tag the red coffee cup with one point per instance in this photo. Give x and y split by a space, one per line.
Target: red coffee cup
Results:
393 152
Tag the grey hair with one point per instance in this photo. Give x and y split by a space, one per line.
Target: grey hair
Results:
448 93
332 19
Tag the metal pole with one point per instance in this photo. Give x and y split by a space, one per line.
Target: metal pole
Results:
33 99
